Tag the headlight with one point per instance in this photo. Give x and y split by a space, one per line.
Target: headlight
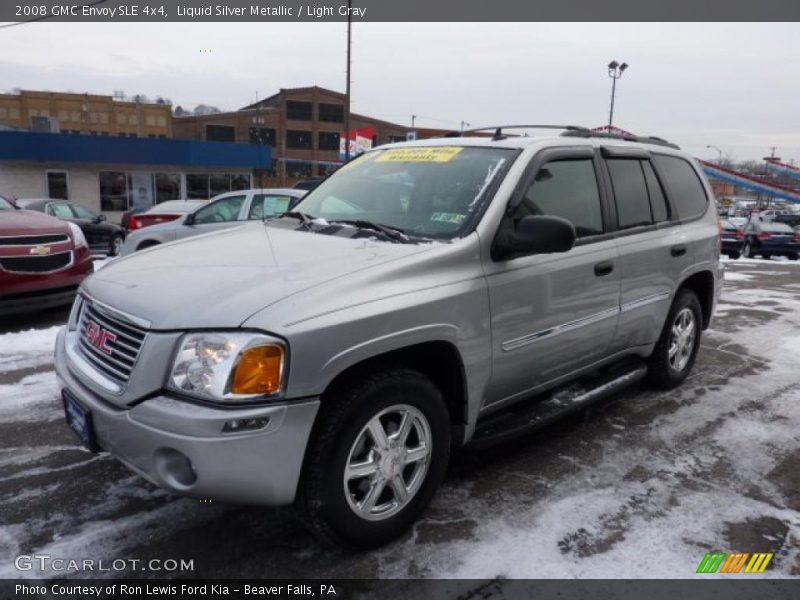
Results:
77 236
228 366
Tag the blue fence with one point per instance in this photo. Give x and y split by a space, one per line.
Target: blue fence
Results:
55 147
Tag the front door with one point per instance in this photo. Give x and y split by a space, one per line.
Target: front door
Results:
552 314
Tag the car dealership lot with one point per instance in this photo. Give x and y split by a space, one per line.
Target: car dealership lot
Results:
640 486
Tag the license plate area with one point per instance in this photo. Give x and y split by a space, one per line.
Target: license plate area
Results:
79 419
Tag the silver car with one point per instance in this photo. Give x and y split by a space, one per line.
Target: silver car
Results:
428 295
221 212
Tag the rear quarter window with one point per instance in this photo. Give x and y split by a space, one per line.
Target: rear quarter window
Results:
686 191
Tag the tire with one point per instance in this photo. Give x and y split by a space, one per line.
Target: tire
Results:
672 359
336 507
734 255
792 257
116 245
747 250
766 255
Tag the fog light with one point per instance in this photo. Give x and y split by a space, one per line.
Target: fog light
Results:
236 425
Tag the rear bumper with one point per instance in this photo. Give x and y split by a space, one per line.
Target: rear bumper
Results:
180 446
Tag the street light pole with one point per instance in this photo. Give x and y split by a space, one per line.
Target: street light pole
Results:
615 71
719 158
463 124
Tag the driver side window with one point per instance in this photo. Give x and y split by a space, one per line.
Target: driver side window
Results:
567 189
222 211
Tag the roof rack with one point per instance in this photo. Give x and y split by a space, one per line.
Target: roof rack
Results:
642 139
567 131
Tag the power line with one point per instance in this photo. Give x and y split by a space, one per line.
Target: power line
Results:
46 17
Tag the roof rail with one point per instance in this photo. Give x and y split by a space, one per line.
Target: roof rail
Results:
499 135
648 139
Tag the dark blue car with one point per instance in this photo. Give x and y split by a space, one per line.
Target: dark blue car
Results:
770 239
732 236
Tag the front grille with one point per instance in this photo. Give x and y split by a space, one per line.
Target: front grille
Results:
36 264
108 343
33 240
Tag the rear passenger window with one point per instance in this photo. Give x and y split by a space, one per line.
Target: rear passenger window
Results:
658 203
686 192
567 189
630 192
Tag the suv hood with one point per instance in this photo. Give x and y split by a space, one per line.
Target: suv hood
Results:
221 279
29 222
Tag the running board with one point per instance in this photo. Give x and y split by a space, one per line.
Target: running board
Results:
529 416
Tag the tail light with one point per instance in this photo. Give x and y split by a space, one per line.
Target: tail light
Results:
133 223
739 235
796 237
763 235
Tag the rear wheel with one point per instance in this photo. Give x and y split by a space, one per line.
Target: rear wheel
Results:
147 244
676 349
116 245
792 257
747 250
734 254
375 459
766 255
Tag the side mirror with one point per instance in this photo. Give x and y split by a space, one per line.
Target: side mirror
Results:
100 218
189 220
536 234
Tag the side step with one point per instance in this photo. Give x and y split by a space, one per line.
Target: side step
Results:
544 409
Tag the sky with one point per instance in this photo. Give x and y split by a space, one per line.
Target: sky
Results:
734 86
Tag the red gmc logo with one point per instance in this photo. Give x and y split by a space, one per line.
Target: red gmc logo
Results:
99 337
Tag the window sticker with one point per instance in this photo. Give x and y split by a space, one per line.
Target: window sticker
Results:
431 154
443 217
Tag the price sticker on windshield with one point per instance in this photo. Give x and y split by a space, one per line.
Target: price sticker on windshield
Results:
431 154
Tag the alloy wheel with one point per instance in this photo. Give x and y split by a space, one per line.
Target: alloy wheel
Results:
682 339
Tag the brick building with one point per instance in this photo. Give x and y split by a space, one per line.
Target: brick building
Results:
89 114
303 125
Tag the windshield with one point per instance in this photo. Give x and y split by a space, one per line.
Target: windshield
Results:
431 192
5 204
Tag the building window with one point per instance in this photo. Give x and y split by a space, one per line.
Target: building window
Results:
150 120
298 139
299 169
57 185
240 182
162 121
298 111
114 191
262 135
328 141
325 169
220 133
168 186
219 184
121 119
197 186
396 138
331 113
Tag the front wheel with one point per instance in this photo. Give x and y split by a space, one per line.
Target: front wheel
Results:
747 250
376 457
676 349
734 255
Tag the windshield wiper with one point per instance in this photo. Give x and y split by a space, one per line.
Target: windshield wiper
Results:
393 233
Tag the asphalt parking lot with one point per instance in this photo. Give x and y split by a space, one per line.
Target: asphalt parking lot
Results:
641 485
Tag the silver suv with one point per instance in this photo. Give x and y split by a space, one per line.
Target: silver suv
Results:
426 296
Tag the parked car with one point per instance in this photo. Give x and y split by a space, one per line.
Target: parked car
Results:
103 237
732 236
42 260
159 213
792 220
770 239
308 184
221 212
431 295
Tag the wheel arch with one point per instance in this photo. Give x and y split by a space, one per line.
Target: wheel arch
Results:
702 284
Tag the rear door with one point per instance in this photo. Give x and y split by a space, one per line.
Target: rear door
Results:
552 314
654 252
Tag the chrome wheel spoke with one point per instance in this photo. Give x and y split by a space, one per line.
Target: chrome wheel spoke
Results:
361 469
378 434
417 454
399 488
406 423
372 495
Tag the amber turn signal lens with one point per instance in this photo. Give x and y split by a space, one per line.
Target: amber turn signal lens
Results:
258 371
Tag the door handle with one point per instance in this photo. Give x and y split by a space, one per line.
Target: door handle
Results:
603 268
679 250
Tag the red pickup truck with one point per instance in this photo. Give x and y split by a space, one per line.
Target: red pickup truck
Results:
42 260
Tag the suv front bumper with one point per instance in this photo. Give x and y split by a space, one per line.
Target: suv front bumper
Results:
180 446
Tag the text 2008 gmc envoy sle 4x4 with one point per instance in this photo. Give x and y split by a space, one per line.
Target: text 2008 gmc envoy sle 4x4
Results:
427 295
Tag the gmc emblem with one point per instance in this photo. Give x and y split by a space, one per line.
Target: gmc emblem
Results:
99 337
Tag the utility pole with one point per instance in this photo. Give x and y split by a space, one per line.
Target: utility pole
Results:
413 118
347 85
463 123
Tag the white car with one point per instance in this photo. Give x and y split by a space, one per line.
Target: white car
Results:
221 212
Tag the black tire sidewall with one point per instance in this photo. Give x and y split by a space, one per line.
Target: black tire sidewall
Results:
662 372
348 528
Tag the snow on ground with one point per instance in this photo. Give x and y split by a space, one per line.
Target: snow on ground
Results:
639 487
